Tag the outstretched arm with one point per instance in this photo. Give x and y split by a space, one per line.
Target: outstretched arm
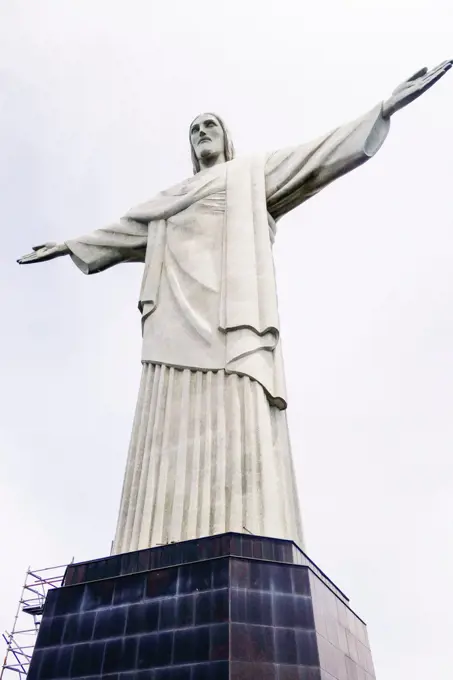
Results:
124 241
293 175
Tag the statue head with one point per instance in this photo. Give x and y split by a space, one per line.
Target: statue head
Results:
210 142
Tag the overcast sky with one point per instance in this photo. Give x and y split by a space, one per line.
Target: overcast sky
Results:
95 100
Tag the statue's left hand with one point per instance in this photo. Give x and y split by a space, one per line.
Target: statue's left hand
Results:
46 251
413 87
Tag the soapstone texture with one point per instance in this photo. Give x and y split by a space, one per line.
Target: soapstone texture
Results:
209 454
210 449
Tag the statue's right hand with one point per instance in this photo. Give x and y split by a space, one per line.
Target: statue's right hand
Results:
46 251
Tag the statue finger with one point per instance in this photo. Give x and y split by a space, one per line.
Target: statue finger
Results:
442 68
434 77
48 244
447 62
423 71
30 257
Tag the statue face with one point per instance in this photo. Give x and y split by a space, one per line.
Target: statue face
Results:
207 138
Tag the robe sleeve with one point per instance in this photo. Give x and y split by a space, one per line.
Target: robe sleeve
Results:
295 174
124 241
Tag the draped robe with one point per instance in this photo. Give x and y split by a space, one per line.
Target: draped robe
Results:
209 450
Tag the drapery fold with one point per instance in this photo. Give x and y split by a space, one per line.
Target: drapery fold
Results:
258 190
210 451
208 454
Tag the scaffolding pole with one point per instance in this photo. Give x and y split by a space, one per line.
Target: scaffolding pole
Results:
20 641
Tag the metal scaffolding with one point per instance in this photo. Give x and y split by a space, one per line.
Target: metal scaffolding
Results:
21 640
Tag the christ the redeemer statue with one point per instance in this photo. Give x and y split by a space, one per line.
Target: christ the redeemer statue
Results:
210 451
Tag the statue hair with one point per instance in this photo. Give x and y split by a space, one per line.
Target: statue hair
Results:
229 146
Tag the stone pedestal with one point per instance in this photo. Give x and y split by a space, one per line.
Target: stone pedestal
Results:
228 607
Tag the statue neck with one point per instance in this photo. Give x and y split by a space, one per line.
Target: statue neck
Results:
210 161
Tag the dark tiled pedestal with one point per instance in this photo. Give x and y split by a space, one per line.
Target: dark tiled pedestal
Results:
227 607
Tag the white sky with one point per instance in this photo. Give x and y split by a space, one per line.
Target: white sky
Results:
95 100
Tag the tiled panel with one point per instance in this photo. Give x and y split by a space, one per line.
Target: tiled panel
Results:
230 607
280 645
256 575
239 545
326 676
164 619
252 643
331 659
242 670
218 670
342 638
365 660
